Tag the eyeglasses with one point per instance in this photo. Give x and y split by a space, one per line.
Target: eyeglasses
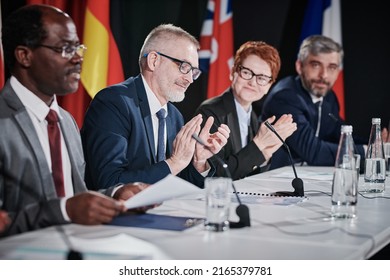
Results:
247 74
67 51
184 66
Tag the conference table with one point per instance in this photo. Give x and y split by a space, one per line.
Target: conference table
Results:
282 228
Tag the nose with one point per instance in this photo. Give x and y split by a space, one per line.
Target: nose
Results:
324 72
189 77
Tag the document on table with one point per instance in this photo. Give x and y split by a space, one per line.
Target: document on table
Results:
168 188
308 175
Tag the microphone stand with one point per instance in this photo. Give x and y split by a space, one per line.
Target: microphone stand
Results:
297 183
242 210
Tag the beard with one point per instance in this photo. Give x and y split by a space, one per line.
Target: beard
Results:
175 96
311 86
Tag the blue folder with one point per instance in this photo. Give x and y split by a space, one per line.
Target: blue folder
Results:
155 221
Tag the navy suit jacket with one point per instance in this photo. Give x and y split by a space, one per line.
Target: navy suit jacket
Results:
118 141
289 96
241 162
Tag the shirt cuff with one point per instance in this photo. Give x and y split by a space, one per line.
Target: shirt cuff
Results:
63 209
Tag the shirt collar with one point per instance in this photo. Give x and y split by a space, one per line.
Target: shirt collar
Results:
316 99
34 104
243 115
154 103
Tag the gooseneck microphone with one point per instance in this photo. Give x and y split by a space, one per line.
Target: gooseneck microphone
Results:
242 210
297 183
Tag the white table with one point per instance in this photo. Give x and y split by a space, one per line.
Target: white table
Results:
297 231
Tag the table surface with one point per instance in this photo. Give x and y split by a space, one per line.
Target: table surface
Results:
281 228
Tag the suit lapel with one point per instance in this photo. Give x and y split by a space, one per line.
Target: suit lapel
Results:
171 131
74 153
254 126
27 127
232 120
146 116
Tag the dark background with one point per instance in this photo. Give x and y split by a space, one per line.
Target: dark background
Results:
277 22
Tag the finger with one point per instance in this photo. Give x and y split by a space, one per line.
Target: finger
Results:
207 126
271 119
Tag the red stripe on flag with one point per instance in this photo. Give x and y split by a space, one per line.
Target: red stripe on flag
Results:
338 88
220 45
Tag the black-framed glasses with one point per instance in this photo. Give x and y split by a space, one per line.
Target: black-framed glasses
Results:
67 51
247 74
184 66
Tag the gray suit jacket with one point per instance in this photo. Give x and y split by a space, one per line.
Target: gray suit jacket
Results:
27 188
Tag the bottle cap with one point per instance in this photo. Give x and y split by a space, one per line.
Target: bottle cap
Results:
376 121
346 128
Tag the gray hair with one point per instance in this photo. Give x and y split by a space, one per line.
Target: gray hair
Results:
159 36
317 44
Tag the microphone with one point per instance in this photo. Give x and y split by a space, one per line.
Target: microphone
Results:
297 183
71 254
242 210
334 118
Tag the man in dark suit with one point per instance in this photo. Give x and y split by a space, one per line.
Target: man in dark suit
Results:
44 55
120 130
250 146
313 104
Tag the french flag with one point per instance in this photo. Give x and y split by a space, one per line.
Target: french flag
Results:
216 45
324 17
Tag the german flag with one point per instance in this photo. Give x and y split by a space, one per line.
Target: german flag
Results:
102 64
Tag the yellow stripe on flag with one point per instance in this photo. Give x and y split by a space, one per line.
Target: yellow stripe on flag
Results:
95 65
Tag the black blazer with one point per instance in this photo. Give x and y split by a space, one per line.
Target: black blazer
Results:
241 161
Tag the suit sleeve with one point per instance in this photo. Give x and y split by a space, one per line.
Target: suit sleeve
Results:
240 163
35 216
318 151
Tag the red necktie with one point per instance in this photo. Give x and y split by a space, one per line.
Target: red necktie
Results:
55 152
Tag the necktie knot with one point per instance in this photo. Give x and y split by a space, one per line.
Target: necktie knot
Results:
161 114
52 117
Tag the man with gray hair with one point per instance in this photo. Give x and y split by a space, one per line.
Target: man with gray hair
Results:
313 104
132 130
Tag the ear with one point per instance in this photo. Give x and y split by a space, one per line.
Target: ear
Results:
152 60
231 74
298 66
23 56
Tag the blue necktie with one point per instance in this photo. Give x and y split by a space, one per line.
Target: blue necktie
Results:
161 115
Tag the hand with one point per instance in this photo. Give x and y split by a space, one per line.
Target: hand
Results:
129 190
184 145
267 141
93 208
385 135
285 126
214 143
4 220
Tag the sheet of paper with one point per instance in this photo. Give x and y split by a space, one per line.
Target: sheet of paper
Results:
168 188
269 199
308 175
